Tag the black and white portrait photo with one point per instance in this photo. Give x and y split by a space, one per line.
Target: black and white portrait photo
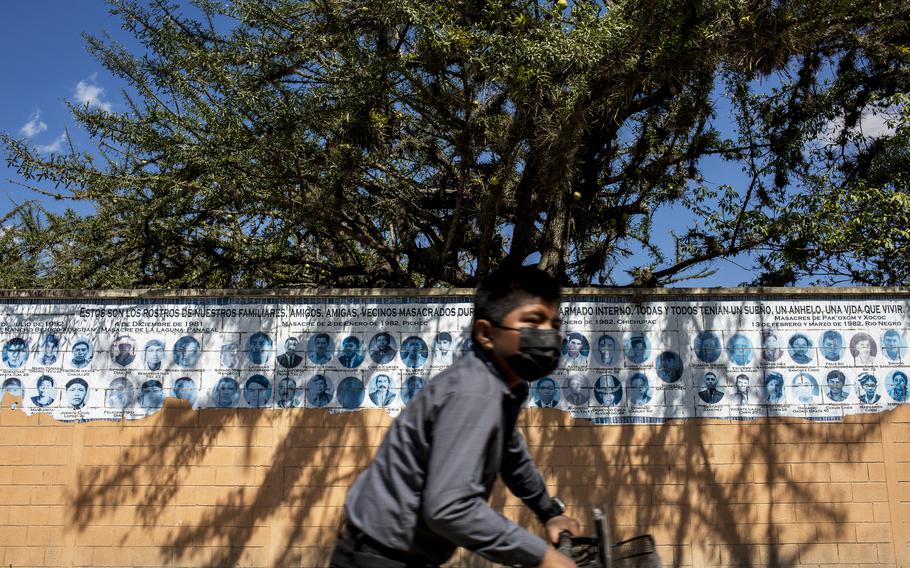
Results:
800 349
606 350
443 349
669 366
123 350
290 358
120 394
575 350
76 392
639 389
637 347
805 389
319 391
831 345
48 349
47 391
15 353
154 355
711 391
863 349
707 346
257 391
226 392
868 389
608 390
546 393
412 385
187 351
576 390
151 395
287 393
351 354
351 393
382 348
320 348
81 354
382 390
414 352
185 389
259 348
837 387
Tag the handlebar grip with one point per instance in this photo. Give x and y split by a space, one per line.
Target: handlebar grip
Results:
565 543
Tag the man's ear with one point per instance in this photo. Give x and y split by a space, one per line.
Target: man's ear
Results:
483 334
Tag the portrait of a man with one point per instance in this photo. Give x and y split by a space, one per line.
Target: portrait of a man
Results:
412 386
575 350
637 348
259 348
739 349
546 393
606 350
120 393
351 393
185 389
230 355
47 391
740 395
14 386
443 349
897 386
319 391
50 348
15 352
831 345
151 395
576 390
82 353
805 388
319 349
669 366
226 392
863 349
836 392
381 390
187 351
892 344
154 355
286 393
382 348
707 346
800 349
770 346
123 350
257 392
414 352
76 393
608 390
351 354
774 388
868 389
290 359
711 392
639 389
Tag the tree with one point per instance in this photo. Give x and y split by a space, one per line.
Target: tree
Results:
379 143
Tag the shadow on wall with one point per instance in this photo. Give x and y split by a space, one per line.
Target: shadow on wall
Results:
235 487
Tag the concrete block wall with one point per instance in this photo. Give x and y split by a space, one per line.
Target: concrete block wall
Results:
265 488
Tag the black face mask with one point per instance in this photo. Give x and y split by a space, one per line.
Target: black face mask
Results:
538 352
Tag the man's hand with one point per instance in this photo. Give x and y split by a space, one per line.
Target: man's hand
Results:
556 559
561 523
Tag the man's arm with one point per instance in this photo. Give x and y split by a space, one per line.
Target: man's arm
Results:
523 478
454 500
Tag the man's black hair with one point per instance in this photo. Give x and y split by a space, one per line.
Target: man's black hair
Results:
507 288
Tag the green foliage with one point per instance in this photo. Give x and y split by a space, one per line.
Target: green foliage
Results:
379 143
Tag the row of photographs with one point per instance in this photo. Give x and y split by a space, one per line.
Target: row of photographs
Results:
571 390
351 351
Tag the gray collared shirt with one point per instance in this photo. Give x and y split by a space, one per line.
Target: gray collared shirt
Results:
426 491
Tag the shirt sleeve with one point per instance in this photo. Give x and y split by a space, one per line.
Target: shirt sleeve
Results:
523 478
454 500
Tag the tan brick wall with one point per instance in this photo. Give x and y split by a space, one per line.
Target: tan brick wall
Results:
265 488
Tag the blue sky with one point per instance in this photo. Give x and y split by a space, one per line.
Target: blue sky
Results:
45 63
